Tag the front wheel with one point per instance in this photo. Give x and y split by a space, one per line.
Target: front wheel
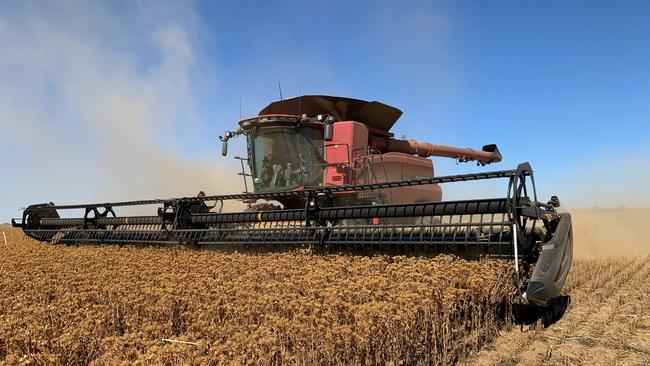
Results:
263 207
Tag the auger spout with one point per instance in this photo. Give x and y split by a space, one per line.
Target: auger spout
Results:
487 155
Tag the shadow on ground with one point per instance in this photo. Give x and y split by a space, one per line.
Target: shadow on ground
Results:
534 315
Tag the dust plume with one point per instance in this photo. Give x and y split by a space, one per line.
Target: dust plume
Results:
613 180
609 200
610 232
100 102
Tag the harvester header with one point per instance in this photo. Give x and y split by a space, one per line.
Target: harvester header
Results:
325 173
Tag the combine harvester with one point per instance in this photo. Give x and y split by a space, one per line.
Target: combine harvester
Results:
327 174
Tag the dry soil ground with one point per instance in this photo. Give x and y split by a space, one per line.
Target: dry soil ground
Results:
608 320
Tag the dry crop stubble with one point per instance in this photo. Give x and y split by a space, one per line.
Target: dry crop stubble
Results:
607 323
114 305
608 320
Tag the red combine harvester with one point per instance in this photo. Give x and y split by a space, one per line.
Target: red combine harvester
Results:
344 142
325 173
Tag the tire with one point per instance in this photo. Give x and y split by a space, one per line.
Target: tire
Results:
352 222
426 220
263 207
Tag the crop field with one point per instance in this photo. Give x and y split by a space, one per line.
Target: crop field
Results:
66 305
607 323
608 320
110 305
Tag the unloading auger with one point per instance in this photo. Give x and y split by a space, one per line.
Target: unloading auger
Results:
326 174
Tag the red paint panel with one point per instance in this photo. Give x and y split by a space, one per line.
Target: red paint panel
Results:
350 140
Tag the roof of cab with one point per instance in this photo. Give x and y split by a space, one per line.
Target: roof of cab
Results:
373 114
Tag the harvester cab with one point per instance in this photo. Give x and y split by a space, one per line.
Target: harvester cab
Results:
328 175
320 141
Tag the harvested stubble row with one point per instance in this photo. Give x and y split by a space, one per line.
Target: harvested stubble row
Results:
113 305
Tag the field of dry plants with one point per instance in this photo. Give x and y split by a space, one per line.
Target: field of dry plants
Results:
607 323
110 305
608 320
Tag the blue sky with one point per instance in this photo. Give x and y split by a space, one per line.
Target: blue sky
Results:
125 100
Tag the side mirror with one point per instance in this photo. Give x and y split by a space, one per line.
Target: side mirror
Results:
224 147
328 133
224 142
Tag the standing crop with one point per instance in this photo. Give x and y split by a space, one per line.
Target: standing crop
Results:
114 305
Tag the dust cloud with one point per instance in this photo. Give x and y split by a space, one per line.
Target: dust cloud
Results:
600 233
99 104
609 201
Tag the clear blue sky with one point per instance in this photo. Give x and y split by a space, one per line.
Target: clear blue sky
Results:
562 84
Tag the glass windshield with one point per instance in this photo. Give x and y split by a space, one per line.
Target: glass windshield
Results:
286 157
